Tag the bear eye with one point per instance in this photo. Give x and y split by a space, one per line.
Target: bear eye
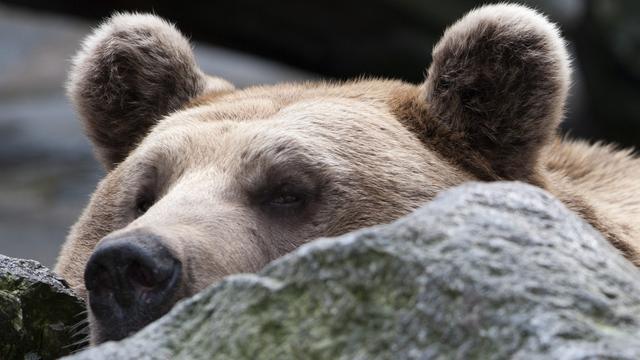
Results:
285 196
284 199
287 191
146 195
144 203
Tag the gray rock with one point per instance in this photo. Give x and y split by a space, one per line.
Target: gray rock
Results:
38 312
485 271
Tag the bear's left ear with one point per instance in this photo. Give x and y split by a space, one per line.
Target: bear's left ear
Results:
495 91
133 70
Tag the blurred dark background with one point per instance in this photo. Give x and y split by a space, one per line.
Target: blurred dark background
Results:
46 168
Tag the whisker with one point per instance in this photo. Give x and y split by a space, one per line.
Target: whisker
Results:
82 313
79 324
78 345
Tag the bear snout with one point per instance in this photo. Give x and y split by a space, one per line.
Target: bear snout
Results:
131 280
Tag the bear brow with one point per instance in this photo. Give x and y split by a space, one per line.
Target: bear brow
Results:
276 162
300 174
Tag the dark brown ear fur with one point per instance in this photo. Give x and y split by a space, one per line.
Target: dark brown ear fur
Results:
130 72
495 91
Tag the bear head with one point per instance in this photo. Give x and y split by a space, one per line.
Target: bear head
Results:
205 180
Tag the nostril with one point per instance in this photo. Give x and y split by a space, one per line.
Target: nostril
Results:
102 279
142 275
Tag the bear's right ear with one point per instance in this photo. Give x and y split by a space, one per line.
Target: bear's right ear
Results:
133 70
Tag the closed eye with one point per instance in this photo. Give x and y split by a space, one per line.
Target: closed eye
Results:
285 196
143 203
147 191
286 189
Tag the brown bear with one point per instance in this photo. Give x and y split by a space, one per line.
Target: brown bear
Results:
206 180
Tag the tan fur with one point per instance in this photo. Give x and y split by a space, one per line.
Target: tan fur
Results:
369 150
607 181
219 144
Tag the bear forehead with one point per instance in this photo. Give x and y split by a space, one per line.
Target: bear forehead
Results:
254 126
221 145
262 102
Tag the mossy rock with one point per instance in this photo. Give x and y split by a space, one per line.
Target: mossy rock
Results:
38 312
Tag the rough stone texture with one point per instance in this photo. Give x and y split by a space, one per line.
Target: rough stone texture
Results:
486 271
38 312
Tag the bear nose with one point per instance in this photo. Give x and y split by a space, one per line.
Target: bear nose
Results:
131 281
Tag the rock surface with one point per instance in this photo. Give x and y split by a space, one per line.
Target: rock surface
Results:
38 312
485 271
